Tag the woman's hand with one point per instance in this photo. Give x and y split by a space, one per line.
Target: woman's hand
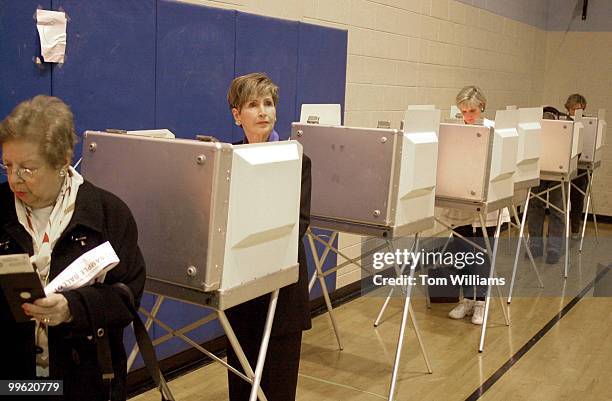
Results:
51 310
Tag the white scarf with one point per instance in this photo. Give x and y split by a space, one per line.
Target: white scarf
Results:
43 243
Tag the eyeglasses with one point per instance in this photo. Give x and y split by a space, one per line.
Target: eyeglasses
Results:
24 174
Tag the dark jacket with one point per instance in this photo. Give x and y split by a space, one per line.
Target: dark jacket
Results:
99 216
293 307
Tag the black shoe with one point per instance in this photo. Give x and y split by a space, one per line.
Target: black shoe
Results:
552 257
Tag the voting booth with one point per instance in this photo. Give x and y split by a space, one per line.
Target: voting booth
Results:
593 135
476 165
399 169
207 228
561 148
526 176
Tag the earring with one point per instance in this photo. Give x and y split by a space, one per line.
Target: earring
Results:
238 123
62 172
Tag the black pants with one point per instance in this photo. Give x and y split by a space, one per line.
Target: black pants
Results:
279 379
473 269
535 219
577 201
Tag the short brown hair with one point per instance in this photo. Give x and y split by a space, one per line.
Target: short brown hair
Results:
248 86
45 120
575 99
473 96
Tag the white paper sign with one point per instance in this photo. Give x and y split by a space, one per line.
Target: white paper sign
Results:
52 32
89 267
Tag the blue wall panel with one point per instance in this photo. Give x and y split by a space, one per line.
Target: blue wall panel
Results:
321 66
20 77
269 45
136 64
109 73
195 65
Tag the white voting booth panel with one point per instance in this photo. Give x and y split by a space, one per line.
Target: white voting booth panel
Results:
475 165
593 138
559 148
327 114
578 132
529 129
417 180
370 181
218 224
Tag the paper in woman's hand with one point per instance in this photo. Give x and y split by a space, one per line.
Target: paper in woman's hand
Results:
88 268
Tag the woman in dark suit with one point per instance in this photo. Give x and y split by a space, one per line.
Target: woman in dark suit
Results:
49 212
252 100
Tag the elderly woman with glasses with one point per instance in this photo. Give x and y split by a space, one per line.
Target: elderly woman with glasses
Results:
51 213
252 100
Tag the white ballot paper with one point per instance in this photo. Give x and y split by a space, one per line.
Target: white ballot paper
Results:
89 267
52 32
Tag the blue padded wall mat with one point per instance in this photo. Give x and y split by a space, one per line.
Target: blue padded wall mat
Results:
269 45
136 64
109 73
19 45
195 65
321 74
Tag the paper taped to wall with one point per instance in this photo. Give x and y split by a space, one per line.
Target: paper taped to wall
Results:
52 32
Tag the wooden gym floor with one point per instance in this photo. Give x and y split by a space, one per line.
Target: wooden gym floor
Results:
558 346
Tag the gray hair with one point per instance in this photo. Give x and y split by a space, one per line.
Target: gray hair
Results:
472 96
45 120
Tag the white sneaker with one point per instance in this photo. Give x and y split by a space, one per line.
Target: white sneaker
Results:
478 316
463 309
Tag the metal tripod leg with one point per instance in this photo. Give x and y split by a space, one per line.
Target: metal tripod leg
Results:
164 389
263 349
398 273
419 338
589 194
518 247
321 277
322 259
235 344
491 273
593 213
494 274
566 209
400 341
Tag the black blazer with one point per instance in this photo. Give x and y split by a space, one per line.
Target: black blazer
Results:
99 216
293 307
